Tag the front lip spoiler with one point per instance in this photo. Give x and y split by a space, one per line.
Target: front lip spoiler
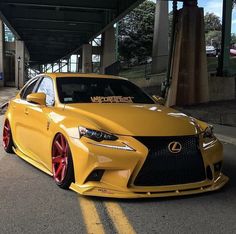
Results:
104 192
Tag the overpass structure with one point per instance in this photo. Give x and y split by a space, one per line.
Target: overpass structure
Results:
52 29
47 31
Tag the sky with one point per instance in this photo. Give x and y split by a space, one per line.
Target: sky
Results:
214 6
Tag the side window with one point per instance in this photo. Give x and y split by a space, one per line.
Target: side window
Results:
28 89
46 86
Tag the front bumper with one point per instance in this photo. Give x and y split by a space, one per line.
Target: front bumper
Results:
103 190
122 167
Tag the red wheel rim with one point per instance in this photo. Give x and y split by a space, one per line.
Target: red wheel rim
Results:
60 152
6 134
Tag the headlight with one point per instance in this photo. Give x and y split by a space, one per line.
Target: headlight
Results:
208 132
96 135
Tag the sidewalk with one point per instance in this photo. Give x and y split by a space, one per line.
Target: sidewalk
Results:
6 93
220 112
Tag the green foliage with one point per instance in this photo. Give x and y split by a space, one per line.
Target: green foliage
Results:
212 22
136 34
213 38
233 39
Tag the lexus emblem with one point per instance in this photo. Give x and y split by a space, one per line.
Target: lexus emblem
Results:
175 147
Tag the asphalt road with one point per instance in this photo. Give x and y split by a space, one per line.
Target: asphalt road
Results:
30 202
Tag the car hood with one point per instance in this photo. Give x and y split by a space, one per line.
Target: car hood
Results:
134 119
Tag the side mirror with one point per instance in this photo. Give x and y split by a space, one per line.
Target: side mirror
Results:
159 100
37 98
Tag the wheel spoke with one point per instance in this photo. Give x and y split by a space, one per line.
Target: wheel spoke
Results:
63 172
62 143
57 159
6 128
59 147
58 171
65 149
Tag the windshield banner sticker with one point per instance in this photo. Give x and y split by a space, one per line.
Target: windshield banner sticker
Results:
112 99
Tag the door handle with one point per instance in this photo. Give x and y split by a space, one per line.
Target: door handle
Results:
26 111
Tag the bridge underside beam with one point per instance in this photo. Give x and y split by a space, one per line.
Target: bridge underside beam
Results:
74 22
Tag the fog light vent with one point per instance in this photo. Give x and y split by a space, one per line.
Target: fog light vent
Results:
95 175
209 173
218 166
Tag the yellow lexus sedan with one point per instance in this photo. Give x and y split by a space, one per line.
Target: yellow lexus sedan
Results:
103 136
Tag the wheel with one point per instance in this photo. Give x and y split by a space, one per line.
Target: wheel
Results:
62 164
7 137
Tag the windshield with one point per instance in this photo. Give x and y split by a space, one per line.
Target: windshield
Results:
99 90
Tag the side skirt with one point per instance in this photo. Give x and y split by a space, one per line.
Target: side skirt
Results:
31 161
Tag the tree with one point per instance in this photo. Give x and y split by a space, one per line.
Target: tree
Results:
212 22
213 38
233 39
136 34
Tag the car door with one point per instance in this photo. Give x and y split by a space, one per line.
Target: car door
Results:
19 121
39 119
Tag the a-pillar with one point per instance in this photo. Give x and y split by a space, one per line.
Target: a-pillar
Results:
2 53
86 58
108 56
20 64
160 38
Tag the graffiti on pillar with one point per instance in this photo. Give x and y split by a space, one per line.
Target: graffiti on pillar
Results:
1 75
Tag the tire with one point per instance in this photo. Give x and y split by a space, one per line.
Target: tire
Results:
62 163
7 137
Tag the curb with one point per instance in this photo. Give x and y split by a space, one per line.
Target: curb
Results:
226 139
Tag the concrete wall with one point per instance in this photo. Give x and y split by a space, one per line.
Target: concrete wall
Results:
221 88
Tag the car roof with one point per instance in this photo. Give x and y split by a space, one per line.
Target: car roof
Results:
80 75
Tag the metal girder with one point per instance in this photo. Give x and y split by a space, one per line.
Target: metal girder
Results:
57 26
98 5
53 14
61 26
48 20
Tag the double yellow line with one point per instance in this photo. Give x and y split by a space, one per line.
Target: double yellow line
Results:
93 222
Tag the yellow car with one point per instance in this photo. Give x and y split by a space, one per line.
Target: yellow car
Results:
103 136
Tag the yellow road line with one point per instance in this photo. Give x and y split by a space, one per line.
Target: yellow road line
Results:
119 219
91 217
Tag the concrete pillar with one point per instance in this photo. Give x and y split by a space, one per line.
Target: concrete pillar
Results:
189 63
2 53
108 56
20 64
160 38
86 58
224 58
80 62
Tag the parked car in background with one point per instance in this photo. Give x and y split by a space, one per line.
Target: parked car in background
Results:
211 51
233 52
